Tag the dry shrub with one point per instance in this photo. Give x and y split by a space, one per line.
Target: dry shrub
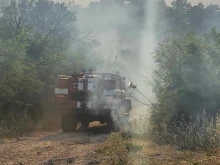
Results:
204 132
133 147
114 151
16 125
19 123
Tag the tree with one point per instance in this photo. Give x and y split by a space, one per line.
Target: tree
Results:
35 38
187 81
20 89
178 15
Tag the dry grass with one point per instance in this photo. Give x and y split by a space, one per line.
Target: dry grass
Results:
193 143
132 151
113 151
203 133
14 126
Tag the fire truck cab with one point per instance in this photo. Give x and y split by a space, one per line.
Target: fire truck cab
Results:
87 96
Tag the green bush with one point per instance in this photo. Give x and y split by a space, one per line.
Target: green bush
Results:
187 82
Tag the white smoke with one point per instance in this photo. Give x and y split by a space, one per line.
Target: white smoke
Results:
134 52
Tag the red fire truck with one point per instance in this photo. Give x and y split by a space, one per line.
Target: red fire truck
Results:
87 96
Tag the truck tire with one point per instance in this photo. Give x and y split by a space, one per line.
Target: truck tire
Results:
112 126
69 123
84 124
127 104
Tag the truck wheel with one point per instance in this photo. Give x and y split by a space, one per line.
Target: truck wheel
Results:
68 123
127 104
111 126
84 124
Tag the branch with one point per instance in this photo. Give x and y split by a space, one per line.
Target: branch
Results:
86 36
57 22
68 3
20 103
138 100
20 17
87 39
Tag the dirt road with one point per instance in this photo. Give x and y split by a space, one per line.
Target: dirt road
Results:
52 148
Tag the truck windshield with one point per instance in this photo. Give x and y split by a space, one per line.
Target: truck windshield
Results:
109 84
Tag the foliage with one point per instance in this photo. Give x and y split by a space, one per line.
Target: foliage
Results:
203 133
186 84
133 15
200 133
14 125
38 41
30 53
35 40
186 80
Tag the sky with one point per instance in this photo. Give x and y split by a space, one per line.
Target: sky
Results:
86 2
203 1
